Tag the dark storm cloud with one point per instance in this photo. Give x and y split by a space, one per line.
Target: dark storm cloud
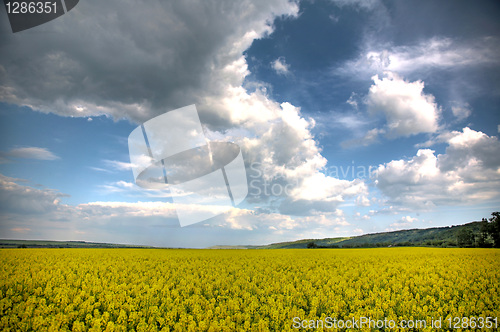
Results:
129 59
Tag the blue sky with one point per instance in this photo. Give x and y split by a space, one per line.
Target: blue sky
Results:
375 115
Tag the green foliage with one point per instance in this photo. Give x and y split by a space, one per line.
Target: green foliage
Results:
494 229
312 245
465 238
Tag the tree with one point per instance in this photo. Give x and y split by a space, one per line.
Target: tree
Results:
482 240
312 245
494 228
465 238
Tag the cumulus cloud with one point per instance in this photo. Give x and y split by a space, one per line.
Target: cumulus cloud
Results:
407 109
193 53
468 172
282 151
94 63
470 147
28 153
280 66
40 213
21 199
322 193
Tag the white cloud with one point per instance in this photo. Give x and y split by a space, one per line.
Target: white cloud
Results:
280 66
352 100
371 137
361 4
28 209
334 18
174 59
280 224
120 165
20 199
403 223
407 108
469 172
349 120
29 153
471 148
461 110
430 54
279 141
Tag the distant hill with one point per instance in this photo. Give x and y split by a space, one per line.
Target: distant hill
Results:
437 236
434 237
283 245
60 244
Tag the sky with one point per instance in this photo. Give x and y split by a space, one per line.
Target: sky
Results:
353 117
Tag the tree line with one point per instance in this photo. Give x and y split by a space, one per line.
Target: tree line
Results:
487 237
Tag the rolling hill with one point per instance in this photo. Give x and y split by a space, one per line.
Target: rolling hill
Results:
435 237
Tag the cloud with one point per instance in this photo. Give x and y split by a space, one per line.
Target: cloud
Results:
20 199
28 153
278 144
333 119
402 223
98 169
468 172
371 137
20 230
360 4
278 223
280 66
140 222
388 210
427 55
352 100
461 110
94 63
184 53
407 109
470 149
119 165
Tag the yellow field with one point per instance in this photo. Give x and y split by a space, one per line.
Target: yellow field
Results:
242 290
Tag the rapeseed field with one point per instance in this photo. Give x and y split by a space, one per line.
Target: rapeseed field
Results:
246 290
